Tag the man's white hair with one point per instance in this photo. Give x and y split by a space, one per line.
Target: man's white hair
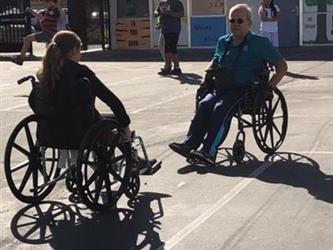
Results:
242 6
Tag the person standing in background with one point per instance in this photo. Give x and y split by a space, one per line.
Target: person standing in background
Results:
48 22
269 15
170 12
61 24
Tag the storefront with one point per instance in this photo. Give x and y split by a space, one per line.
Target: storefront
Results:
302 23
134 24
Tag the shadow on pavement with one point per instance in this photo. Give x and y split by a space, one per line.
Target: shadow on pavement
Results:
287 168
305 53
187 78
75 227
300 76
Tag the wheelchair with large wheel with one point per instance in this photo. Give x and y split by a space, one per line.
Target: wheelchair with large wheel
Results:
97 169
262 108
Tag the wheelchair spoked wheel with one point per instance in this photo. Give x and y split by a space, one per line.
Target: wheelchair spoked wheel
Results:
133 185
100 176
238 149
270 120
29 165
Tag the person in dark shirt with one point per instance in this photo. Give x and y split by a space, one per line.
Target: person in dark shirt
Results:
170 12
58 80
48 21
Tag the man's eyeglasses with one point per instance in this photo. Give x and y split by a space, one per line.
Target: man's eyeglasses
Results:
239 21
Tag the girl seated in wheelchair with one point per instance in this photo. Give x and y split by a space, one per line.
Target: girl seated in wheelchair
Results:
72 106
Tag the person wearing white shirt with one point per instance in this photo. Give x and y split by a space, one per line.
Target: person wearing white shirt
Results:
269 14
61 23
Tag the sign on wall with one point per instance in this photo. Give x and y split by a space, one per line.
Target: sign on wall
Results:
208 7
318 22
133 33
205 31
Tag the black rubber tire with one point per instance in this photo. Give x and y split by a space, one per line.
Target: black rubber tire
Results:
32 164
238 151
98 162
268 134
133 186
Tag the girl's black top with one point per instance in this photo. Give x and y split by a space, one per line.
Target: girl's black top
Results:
68 110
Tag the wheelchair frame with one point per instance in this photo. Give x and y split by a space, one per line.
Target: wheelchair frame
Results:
100 175
268 135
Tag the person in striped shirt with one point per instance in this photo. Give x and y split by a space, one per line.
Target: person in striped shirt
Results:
48 21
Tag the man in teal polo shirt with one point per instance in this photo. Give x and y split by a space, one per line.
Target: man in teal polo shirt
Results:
239 60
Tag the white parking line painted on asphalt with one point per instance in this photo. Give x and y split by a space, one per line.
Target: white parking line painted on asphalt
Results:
133 112
180 184
163 102
178 237
313 152
17 106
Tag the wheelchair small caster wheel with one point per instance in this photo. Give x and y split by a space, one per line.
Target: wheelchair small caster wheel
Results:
133 186
190 160
70 183
238 151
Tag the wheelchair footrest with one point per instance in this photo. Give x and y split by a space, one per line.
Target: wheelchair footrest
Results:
149 167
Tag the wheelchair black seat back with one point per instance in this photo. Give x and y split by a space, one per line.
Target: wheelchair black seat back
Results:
100 174
267 111
67 113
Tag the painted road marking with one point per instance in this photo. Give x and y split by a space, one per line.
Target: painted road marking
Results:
174 240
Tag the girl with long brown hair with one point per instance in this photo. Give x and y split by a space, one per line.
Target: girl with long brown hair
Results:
58 77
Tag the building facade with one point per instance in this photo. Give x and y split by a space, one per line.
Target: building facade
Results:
131 23
302 22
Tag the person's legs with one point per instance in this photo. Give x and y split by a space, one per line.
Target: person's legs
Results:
41 37
168 60
275 39
197 128
168 55
176 69
175 58
218 129
200 122
220 122
27 41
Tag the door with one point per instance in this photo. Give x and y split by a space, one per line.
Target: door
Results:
288 23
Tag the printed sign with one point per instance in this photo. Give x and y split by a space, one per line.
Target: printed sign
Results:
133 33
318 22
205 31
208 7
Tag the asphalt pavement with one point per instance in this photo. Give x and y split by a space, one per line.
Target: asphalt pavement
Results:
282 201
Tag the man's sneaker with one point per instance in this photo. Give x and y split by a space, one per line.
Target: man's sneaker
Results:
203 157
165 71
176 71
17 60
180 148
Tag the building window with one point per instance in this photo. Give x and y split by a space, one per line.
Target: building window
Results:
208 8
132 8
